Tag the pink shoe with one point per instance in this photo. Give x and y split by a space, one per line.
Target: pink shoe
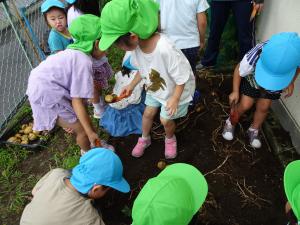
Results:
140 147
170 148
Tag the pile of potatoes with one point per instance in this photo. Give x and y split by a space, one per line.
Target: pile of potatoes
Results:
25 135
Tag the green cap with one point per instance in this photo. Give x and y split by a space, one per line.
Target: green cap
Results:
85 29
119 17
292 186
173 197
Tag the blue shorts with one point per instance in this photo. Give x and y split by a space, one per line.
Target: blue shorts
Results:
181 110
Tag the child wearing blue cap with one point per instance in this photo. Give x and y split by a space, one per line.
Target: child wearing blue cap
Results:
56 18
264 72
62 197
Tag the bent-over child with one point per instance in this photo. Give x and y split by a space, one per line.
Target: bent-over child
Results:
60 85
56 18
265 71
169 79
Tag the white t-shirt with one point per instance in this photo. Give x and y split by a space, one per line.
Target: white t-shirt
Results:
163 69
72 14
178 20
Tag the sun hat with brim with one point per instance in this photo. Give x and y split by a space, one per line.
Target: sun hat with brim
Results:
173 197
292 186
70 1
119 17
278 61
46 5
99 166
85 29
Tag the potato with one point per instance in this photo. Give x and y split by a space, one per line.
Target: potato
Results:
32 136
12 139
21 131
18 136
28 130
109 98
161 165
24 137
23 126
36 132
24 142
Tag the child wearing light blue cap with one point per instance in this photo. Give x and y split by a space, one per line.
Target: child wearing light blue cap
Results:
62 197
264 72
56 18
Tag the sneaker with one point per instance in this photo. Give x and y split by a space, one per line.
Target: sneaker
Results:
98 114
170 148
228 131
200 66
140 147
107 146
254 138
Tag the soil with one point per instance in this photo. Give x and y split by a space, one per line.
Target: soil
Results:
245 184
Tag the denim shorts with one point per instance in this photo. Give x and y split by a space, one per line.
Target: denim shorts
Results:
181 110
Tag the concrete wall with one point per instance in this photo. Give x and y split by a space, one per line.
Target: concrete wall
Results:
279 16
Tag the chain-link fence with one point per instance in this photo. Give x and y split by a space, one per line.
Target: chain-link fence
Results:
21 33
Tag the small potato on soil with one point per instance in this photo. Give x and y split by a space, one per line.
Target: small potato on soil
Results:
161 165
12 139
32 136
18 136
24 137
24 142
27 130
36 132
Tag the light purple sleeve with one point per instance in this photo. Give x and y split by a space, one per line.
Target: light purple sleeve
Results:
82 77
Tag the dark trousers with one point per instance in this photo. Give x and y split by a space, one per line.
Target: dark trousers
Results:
220 11
192 55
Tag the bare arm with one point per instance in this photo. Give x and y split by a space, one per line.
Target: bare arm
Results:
234 96
202 24
84 119
172 103
128 89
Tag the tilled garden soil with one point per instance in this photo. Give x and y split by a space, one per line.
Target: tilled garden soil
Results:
245 184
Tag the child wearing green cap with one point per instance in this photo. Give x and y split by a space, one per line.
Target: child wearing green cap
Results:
63 197
291 181
170 82
60 85
102 70
56 18
172 197
265 71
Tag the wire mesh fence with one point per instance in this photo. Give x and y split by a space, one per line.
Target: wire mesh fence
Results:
22 28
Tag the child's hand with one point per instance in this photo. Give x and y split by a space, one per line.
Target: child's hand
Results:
234 97
289 90
92 138
126 91
172 105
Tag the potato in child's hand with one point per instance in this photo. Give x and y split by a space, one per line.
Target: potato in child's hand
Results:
109 98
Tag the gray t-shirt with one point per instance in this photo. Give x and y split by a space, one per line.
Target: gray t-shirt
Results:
55 203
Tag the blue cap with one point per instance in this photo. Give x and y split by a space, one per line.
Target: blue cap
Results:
99 166
70 1
51 3
278 62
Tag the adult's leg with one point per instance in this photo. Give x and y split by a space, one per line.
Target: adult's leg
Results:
192 56
219 15
246 31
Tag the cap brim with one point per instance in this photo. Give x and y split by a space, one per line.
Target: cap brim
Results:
193 177
84 46
291 180
70 1
106 41
121 186
272 82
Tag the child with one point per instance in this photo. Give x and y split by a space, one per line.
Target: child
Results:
188 33
64 197
102 71
173 197
125 117
274 64
291 183
56 18
169 79
58 87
